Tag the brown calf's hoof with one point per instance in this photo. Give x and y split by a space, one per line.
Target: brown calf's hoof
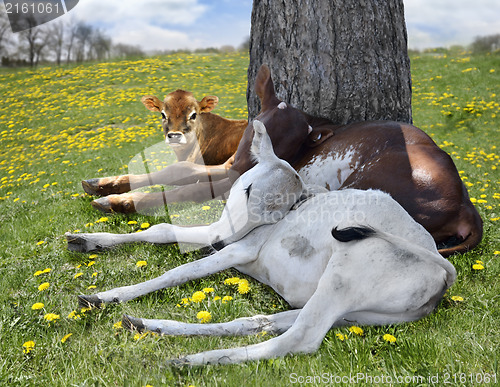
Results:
106 186
115 203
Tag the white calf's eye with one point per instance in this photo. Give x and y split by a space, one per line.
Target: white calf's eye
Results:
193 116
163 115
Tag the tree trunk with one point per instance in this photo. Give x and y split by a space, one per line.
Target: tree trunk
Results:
345 60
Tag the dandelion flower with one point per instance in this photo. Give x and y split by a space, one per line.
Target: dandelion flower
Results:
132 222
145 225
40 243
340 336
205 208
226 299
73 315
28 346
117 325
478 266
232 281
204 316
37 305
243 286
457 298
77 275
198 296
91 287
93 256
43 286
356 330
90 263
389 338
50 317
141 263
208 290
63 340
217 298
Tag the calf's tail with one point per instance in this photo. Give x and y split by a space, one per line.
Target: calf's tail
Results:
358 233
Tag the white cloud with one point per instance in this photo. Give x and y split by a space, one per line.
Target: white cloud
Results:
157 12
432 23
151 38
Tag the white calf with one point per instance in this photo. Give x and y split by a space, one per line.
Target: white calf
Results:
340 257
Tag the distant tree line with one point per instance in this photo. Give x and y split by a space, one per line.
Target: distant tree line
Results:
59 42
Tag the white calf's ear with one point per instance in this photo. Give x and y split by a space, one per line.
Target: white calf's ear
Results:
262 148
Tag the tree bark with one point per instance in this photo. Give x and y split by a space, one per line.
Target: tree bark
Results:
345 60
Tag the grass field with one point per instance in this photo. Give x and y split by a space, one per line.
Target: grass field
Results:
61 125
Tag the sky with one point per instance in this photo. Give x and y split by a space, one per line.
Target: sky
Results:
178 24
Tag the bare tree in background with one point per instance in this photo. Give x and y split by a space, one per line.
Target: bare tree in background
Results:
345 60
33 41
83 34
100 45
56 37
5 32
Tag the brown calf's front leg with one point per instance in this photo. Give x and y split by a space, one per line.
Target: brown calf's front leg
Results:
181 173
128 203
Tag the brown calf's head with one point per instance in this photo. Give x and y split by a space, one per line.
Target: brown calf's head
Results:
286 126
180 113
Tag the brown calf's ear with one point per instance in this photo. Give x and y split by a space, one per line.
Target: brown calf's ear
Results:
264 87
152 103
208 103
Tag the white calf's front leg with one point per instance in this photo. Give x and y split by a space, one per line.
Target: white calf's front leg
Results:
272 324
232 255
305 335
163 233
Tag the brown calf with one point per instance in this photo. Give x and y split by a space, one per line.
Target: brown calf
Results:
195 135
396 158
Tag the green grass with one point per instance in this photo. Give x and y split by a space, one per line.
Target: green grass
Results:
61 125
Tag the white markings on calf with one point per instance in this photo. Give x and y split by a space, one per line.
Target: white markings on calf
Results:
332 171
282 105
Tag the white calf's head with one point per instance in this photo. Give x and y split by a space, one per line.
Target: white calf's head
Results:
262 195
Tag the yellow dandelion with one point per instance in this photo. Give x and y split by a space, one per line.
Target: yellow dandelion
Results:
63 340
204 316
198 296
37 305
132 222
43 286
90 263
141 263
205 208
457 298
389 338
217 298
208 290
50 317
117 325
37 273
340 336
145 225
73 315
226 299
77 275
93 256
243 286
232 281
40 243
356 330
478 266
28 346
47 270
